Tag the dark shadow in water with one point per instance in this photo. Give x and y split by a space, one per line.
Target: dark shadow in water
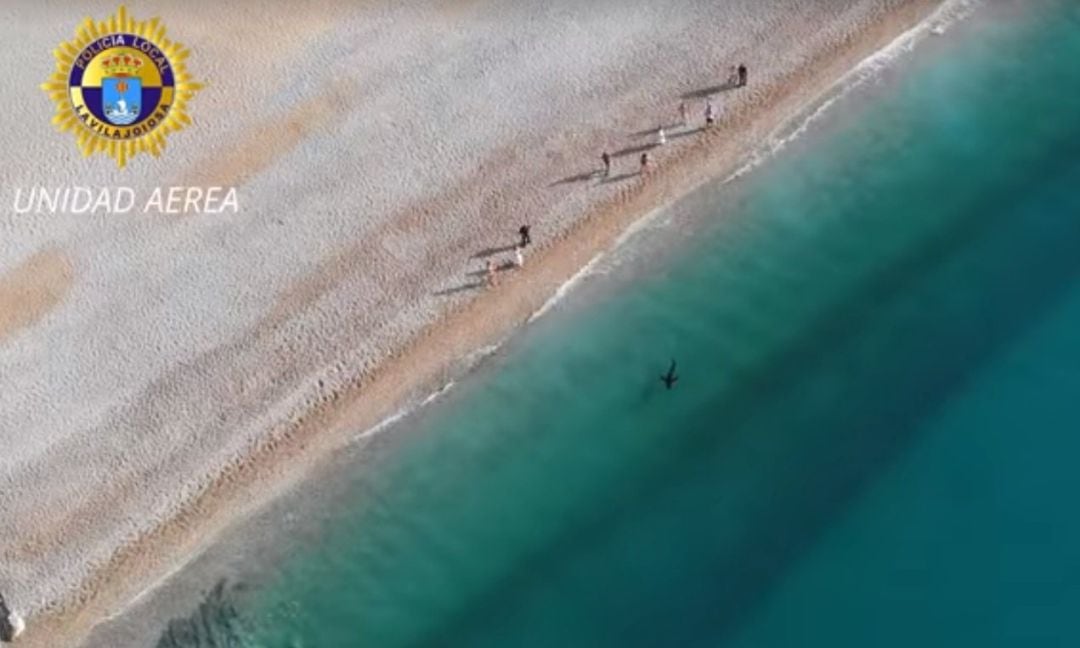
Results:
831 453
214 624
840 450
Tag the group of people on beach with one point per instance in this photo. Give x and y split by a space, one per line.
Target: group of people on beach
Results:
524 239
737 78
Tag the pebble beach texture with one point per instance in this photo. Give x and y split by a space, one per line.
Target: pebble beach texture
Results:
382 152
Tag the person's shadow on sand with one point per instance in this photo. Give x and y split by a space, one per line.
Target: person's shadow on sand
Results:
621 177
630 150
652 131
505 265
687 133
492 251
457 289
580 177
711 90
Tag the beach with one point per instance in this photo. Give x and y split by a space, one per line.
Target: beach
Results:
163 375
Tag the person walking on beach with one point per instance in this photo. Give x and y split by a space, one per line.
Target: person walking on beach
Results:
523 231
490 272
743 74
684 114
519 258
645 164
710 112
661 137
605 157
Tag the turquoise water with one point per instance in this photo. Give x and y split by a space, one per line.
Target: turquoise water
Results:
873 442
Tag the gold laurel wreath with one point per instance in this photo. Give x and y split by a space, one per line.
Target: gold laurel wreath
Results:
65 118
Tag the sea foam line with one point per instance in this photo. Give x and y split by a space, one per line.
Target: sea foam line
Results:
565 288
865 70
474 358
868 69
937 23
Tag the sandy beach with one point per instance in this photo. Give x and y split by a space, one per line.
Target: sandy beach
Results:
162 375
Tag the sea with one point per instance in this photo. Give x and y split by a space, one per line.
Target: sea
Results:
873 441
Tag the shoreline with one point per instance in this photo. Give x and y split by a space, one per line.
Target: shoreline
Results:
429 359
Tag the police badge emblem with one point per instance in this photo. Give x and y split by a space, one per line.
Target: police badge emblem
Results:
120 86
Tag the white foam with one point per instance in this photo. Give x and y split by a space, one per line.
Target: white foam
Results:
870 68
565 289
405 410
474 358
151 588
382 425
480 354
866 70
154 345
434 396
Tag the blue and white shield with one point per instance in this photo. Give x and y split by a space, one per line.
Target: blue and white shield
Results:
122 99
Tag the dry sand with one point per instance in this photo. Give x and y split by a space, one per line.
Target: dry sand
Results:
160 375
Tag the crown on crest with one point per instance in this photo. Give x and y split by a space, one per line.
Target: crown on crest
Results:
121 65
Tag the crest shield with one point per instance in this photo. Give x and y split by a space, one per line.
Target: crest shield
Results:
121 99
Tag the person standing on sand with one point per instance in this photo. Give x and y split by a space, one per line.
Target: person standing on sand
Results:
645 164
519 258
743 74
605 157
661 137
710 112
11 624
490 272
684 114
523 231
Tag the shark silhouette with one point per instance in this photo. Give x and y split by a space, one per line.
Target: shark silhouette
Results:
670 378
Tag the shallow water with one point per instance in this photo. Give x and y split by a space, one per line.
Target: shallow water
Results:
871 442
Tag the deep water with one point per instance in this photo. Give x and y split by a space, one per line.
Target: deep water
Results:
873 441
